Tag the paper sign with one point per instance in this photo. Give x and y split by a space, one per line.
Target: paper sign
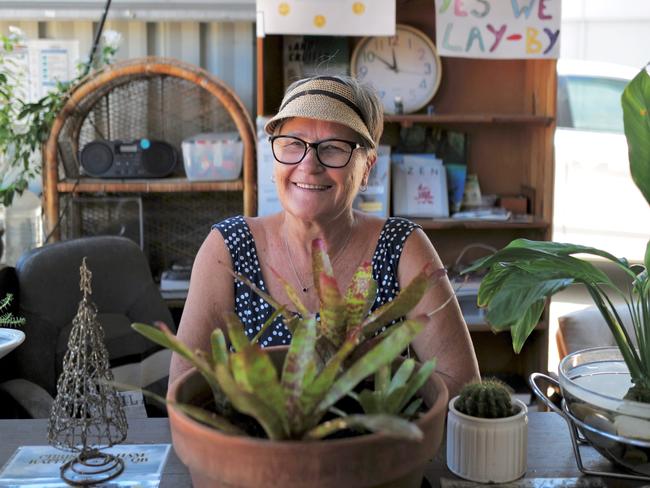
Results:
50 61
498 29
331 17
39 466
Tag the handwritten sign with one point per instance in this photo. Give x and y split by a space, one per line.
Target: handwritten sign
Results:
333 17
498 29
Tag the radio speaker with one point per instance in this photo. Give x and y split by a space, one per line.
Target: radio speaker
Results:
141 158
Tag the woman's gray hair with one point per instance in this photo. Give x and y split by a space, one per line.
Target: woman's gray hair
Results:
364 97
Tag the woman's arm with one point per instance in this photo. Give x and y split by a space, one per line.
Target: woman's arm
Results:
211 294
446 336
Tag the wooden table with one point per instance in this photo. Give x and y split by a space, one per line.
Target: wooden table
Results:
549 449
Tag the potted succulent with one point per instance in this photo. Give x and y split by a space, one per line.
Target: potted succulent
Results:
607 391
309 414
483 414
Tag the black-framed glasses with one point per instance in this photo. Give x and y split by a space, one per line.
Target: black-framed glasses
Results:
333 153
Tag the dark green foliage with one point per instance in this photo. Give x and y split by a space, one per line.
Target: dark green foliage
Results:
25 126
7 319
489 399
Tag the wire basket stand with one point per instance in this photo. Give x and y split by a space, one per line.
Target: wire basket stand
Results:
578 440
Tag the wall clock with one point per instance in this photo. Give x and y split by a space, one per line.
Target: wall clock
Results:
404 69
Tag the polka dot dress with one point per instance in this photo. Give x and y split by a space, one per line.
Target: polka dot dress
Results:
253 311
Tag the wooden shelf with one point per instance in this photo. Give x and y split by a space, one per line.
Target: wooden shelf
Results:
481 224
482 118
162 185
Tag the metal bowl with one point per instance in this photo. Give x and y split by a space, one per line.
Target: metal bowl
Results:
593 383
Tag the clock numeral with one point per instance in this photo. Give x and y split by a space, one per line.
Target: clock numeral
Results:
381 93
420 52
423 83
393 41
410 43
362 71
428 68
379 44
369 56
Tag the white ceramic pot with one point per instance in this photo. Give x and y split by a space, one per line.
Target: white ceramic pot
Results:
487 450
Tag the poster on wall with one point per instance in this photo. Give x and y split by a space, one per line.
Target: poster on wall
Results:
498 29
331 17
50 61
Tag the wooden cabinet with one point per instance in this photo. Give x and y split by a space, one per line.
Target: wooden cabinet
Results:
507 109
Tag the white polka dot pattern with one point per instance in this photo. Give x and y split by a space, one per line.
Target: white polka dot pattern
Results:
253 311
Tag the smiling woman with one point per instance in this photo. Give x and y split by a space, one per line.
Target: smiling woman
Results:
324 141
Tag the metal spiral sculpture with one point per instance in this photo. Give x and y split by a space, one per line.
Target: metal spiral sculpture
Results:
87 413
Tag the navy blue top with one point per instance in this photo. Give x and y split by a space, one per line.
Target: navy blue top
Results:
253 310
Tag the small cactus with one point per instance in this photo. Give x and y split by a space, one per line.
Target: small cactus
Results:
486 399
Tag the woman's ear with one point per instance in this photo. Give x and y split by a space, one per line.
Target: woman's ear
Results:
370 162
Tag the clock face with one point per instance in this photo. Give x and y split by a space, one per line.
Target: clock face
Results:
404 69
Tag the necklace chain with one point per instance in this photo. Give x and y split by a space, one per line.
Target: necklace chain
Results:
306 288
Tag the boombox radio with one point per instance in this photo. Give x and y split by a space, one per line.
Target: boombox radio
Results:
142 158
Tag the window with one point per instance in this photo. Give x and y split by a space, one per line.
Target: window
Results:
590 103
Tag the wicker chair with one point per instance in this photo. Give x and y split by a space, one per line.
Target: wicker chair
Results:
153 98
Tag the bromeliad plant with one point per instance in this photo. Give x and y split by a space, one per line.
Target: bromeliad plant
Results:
323 363
525 273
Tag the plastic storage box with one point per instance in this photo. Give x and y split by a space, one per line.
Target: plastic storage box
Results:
213 156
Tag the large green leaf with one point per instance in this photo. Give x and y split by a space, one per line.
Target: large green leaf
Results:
360 295
332 310
403 303
636 104
236 332
383 353
417 380
255 373
386 424
251 404
297 367
320 262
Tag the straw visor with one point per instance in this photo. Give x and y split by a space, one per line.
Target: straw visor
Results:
322 98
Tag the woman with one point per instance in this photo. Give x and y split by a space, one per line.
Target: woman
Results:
324 139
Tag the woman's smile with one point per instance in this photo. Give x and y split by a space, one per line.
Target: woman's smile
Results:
311 187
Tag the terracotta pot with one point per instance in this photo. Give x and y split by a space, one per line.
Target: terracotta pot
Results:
217 460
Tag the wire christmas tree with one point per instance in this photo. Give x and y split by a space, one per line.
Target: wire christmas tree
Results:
87 414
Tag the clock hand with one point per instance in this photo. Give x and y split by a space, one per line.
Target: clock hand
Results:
394 62
390 66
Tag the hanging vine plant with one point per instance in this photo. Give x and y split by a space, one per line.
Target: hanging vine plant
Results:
25 125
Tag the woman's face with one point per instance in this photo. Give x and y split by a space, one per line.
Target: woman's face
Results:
310 190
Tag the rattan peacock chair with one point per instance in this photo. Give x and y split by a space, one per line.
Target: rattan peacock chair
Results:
159 99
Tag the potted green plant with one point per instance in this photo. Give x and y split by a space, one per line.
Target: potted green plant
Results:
612 410
484 414
289 417
24 124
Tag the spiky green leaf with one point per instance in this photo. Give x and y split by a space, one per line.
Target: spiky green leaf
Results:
297 368
251 404
386 424
407 299
236 332
332 310
255 373
360 295
382 353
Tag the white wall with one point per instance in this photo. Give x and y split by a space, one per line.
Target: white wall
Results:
616 31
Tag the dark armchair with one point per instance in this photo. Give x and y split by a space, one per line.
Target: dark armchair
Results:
124 292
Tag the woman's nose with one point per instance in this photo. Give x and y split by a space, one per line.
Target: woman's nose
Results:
311 158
